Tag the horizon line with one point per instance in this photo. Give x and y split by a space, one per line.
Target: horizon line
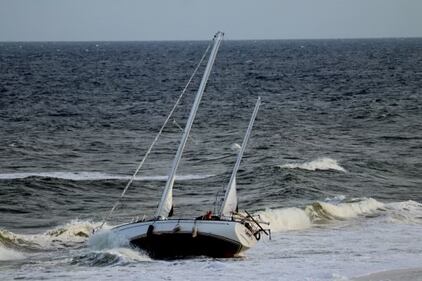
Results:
202 40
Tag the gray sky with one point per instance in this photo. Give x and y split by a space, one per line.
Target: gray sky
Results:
92 20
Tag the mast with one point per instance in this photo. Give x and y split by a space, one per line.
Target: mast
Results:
166 202
230 199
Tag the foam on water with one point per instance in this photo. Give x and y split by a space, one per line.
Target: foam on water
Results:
107 247
7 254
323 163
104 248
106 239
13 246
114 256
107 250
94 176
235 147
280 219
18 242
284 219
76 231
405 212
324 210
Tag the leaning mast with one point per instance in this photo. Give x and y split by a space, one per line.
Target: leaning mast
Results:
166 202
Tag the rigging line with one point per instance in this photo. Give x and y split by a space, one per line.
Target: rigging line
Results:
181 129
155 140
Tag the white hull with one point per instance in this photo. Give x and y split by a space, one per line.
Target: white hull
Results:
188 237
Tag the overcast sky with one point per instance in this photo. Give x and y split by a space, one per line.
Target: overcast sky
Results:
97 20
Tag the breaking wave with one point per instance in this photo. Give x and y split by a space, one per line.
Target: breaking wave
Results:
327 211
285 219
17 246
115 256
323 163
107 248
106 239
104 248
76 231
94 176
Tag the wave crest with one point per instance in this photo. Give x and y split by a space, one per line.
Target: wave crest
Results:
322 210
94 176
323 164
109 248
75 231
284 219
17 246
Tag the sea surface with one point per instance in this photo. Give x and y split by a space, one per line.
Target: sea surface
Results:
334 163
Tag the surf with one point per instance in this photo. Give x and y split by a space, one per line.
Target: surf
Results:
106 248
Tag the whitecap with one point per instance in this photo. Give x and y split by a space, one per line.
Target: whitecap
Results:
292 218
235 147
323 163
324 210
285 219
409 212
67 235
94 176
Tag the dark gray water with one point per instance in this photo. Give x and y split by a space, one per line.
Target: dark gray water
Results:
341 120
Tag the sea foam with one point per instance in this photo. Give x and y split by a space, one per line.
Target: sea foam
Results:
72 233
106 239
409 212
107 247
324 210
94 176
284 219
7 254
323 163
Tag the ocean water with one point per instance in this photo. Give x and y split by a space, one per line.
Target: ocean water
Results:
333 164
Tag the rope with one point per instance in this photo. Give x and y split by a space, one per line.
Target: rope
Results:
155 140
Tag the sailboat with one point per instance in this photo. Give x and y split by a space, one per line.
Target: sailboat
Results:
225 234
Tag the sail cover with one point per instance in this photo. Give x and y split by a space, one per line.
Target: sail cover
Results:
230 205
167 204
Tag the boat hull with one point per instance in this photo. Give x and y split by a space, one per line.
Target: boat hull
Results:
166 239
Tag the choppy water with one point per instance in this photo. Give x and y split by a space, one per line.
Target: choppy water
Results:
334 162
